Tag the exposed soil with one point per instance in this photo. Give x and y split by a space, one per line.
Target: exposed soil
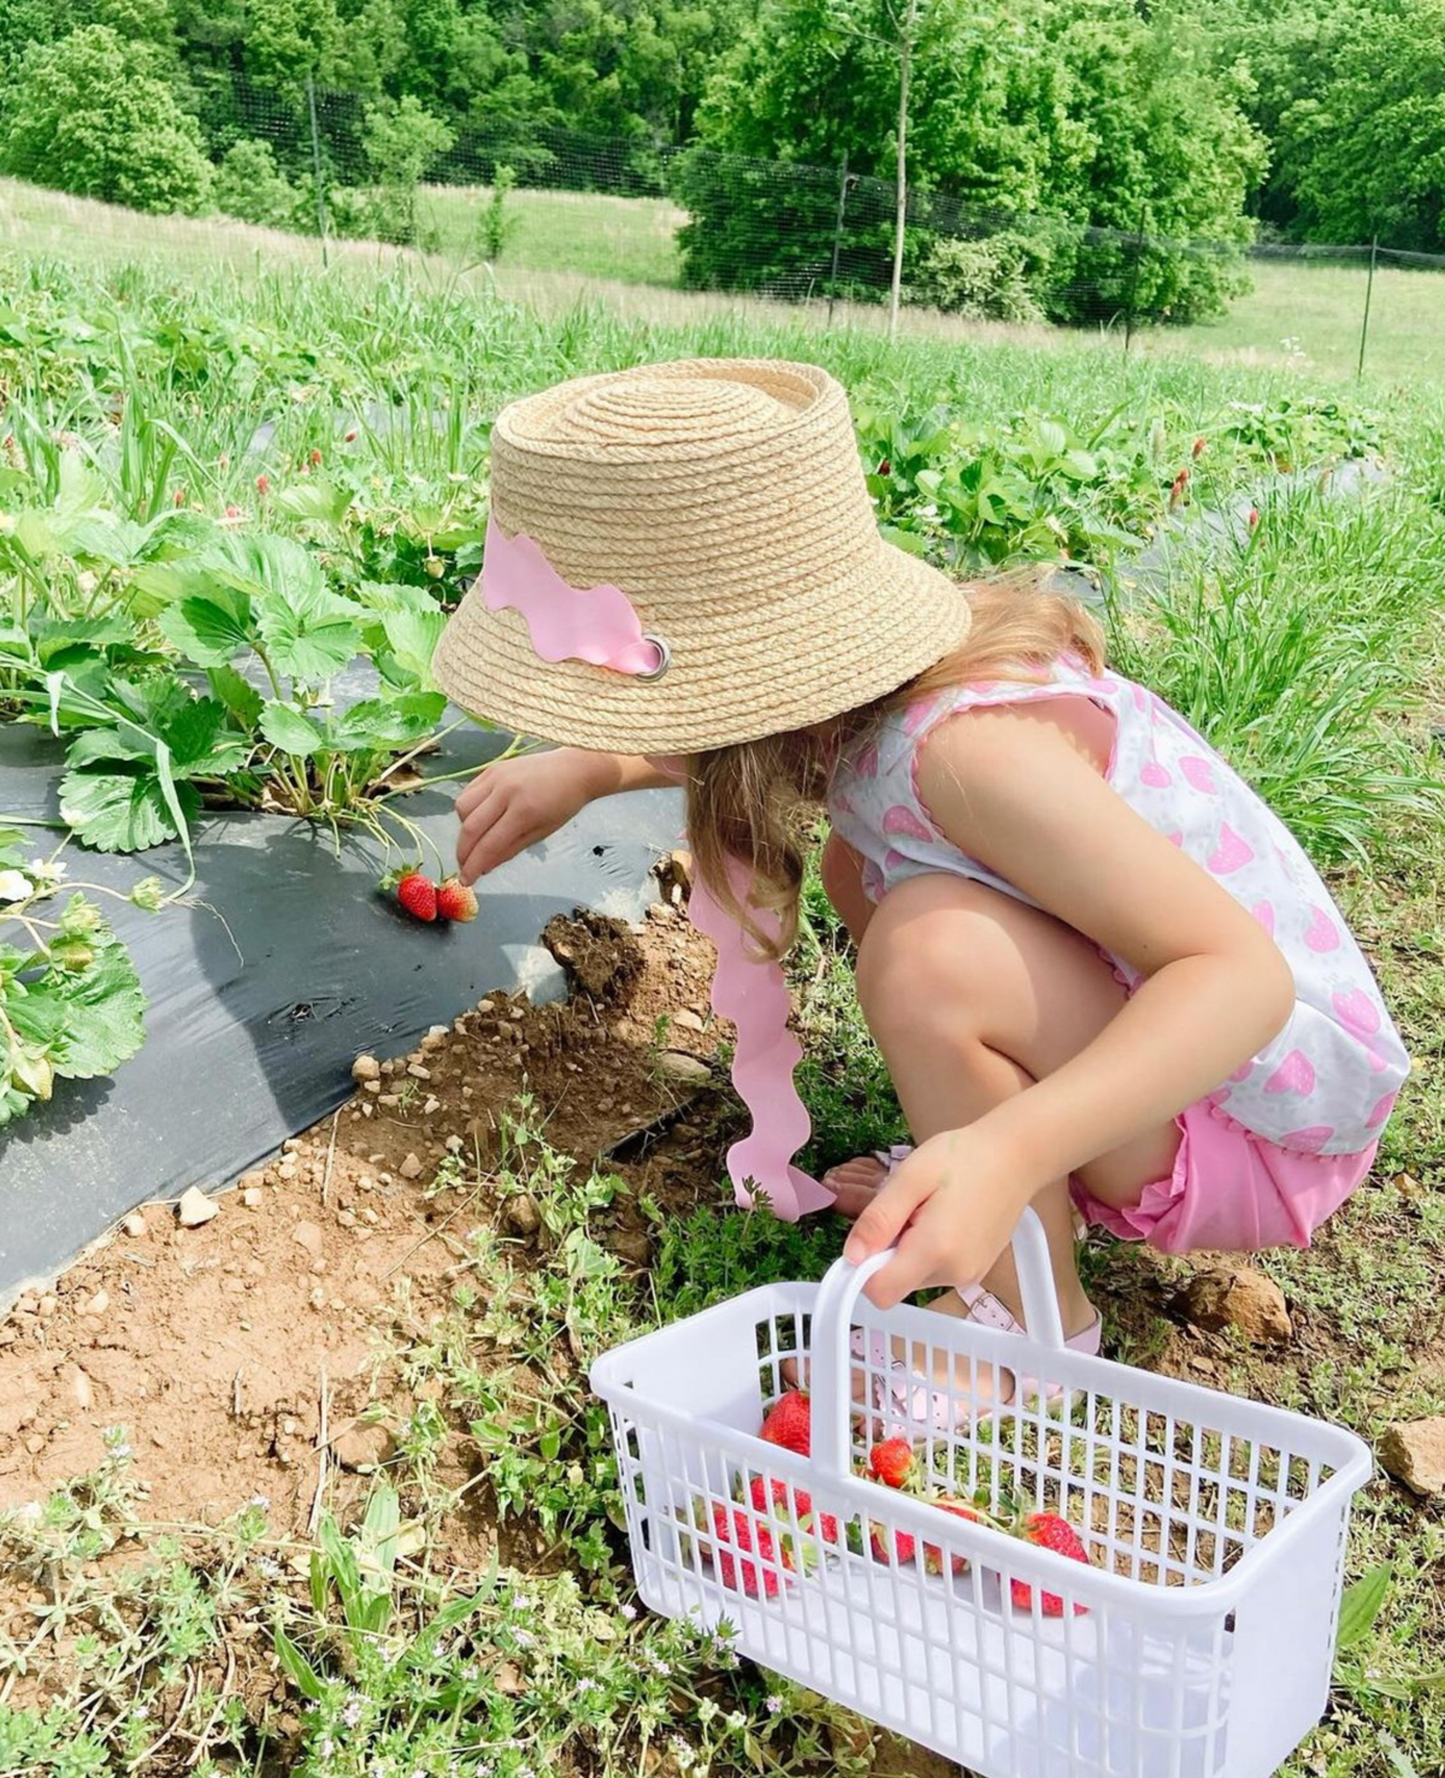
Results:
219 1347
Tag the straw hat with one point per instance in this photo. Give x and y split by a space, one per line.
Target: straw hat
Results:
724 500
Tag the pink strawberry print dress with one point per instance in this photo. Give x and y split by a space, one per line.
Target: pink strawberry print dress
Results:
1280 1144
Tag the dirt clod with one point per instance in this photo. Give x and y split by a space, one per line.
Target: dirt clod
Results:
134 1225
521 1215
1414 1453
366 1445
1240 1298
689 1070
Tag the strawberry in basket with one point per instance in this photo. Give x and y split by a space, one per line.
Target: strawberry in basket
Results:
1049 1532
789 1423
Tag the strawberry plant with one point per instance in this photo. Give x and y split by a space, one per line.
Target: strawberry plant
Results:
71 1005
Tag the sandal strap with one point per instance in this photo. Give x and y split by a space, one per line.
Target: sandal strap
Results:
985 1308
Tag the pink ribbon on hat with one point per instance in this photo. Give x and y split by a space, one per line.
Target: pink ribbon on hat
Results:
754 995
599 625
566 623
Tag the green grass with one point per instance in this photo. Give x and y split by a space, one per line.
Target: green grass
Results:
1310 316
1332 600
631 240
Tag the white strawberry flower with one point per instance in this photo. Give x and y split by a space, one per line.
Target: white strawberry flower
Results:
15 886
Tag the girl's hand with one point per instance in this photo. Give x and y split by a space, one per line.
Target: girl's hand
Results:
952 1207
516 802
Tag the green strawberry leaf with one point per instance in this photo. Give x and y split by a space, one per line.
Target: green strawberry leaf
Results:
103 1009
123 811
411 638
309 634
316 498
257 563
382 724
239 696
285 727
210 628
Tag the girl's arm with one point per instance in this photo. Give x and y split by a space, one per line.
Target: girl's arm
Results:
1010 788
516 802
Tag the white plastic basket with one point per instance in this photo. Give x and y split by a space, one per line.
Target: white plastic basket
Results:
1215 1527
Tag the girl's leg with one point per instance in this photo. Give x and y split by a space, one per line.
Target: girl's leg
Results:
972 996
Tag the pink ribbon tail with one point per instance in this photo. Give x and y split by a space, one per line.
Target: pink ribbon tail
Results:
754 995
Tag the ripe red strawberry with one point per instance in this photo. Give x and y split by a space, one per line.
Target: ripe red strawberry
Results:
455 901
1253 517
788 1502
789 1423
263 485
933 1554
892 1462
418 895
732 1529
1198 450
905 1544
1049 1532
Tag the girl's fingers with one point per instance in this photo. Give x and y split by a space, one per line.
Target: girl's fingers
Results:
475 794
881 1222
911 1268
508 835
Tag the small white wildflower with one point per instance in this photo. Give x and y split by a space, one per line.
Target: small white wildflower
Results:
523 1638
263 1501
662 1667
141 1710
351 1715
269 1568
629 1612
773 1705
521 1602
120 1451
326 1747
586 1685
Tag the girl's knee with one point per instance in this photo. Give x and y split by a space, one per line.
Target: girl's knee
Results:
934 953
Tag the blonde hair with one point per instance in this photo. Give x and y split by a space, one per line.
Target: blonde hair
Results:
750 802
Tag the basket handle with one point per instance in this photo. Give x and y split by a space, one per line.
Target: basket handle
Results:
833 1319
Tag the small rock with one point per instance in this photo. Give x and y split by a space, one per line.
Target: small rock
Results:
134 1225
521 1215
688 1020
486 1006
1414 1453
35 1444
432 1104
661 911
410 1168
684 1068
79 1385
347 1218
363 1446
308 1235
509 1680
98 1304
418 1071
454 1145
194 1208
251 1197
249 1180
292 1145
1242 1299
371 1086
365 1068
434 1039
47 1306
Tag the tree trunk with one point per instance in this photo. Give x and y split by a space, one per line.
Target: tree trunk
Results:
905 70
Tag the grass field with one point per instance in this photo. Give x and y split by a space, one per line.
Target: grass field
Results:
347 413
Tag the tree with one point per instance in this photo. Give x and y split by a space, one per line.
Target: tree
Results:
90 115
251 187
401 139
289 42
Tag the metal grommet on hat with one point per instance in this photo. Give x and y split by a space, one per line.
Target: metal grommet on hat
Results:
664 658
719 503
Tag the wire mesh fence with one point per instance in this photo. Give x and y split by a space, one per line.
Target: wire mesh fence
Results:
529 196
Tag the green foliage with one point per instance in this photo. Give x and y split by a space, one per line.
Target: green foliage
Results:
496 224
90 114
1352 99
982 280
400 140
250 186
1079 117
70 1002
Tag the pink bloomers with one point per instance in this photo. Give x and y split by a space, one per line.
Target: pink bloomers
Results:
1232 1190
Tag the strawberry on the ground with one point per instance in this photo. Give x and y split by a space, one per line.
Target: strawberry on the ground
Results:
455 901
1049 1532
787 1501
418 895
933 1554
733 1529
789 1423
892 1462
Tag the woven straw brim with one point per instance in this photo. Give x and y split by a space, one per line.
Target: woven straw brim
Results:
727 501
736 686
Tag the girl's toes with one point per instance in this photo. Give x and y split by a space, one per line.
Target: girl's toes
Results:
855 1184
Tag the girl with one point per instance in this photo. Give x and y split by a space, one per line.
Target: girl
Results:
1103 975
